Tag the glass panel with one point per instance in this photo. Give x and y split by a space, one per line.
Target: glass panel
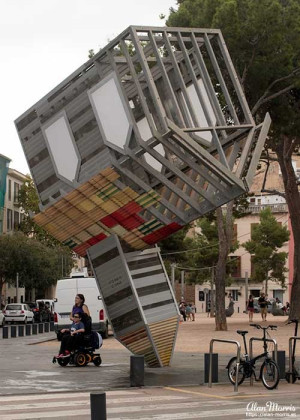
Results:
62 148
110 110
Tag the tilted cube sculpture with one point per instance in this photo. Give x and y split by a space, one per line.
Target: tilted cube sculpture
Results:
148 135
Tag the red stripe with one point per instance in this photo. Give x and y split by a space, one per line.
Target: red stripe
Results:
161 233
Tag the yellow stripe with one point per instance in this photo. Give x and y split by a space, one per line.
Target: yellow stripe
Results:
216 396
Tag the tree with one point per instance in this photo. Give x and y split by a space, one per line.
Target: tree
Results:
263 39
29 201
266 238
38 266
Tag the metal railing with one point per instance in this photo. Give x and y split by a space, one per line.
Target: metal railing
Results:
291 339
275 208
238 359
251 350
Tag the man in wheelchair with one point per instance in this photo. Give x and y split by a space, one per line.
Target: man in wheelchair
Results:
78 343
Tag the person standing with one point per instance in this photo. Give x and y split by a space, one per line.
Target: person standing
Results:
208 308
182 310
80 307
263 303
250 307
188 311
193 308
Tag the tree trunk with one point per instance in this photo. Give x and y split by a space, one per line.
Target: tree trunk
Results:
225 233
293 201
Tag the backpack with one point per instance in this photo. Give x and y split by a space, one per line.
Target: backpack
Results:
96 340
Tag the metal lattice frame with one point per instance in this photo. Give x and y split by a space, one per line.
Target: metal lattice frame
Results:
200 136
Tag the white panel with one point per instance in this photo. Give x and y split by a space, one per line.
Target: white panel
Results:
62 148
111 112
202 121
146 134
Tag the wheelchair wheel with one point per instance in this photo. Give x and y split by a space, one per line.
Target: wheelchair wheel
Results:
80 359
64 361
97 360
89 357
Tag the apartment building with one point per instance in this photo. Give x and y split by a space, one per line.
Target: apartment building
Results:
11 216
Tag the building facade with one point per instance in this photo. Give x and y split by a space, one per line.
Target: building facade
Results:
12 217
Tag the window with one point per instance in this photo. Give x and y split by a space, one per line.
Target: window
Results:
235 266
234 295
234 236
16 220
16 192
9 189
252 267
9 220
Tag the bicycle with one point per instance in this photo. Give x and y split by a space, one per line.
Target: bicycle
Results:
269 371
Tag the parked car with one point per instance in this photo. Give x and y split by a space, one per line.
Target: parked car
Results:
49 305
40 311
2 320
18 312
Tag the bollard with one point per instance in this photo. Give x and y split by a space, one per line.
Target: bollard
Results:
21 331
51 326
41 328
28 329
47 327
137 371
5 332
280 362
98 405
215 377
13 331
34 329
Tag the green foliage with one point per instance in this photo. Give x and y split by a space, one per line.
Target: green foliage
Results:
29 201
263 39
267 238
38 265
198 251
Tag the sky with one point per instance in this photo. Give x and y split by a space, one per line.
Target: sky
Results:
44 41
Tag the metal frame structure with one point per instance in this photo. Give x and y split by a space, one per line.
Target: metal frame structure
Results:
190 140
147 136
238 359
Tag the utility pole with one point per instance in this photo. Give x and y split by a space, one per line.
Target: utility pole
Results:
246 290
17 287
173 266
182 284
212 293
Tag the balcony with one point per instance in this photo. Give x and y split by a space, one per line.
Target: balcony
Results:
275 208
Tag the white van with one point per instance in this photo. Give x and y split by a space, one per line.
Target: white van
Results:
66 290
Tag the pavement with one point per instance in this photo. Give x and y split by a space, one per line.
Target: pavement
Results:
26 370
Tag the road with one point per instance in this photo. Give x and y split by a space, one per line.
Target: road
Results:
167 403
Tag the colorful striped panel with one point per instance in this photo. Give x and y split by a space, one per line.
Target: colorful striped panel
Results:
161 233
164 335
138 342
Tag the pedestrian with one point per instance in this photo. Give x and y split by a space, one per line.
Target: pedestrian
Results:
208 304
193 308
182 310
250 307
188 311
263 303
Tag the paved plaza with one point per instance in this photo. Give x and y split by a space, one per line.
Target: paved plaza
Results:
178 391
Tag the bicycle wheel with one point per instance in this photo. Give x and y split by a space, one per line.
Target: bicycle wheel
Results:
232 372
269 374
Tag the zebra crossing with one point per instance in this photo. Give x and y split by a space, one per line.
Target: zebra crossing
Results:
142 404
